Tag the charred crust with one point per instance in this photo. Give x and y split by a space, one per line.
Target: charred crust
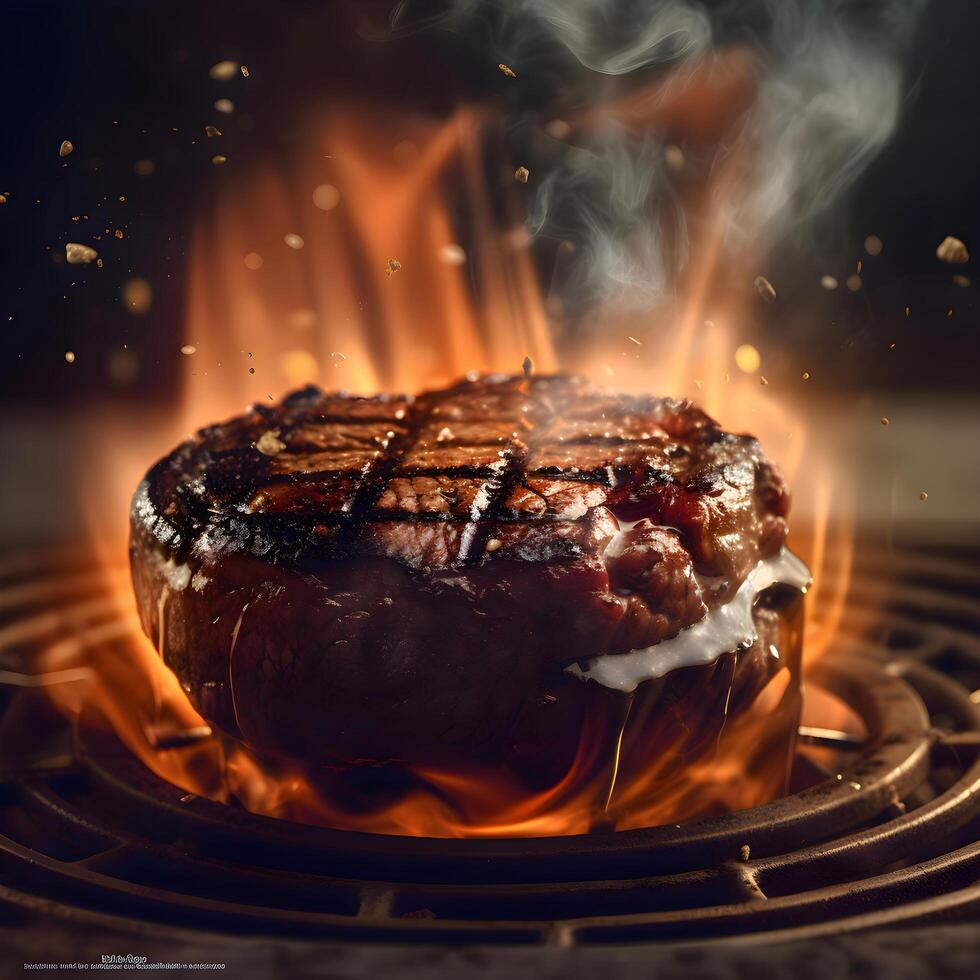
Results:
349 462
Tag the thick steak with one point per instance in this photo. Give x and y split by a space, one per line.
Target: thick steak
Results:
397 579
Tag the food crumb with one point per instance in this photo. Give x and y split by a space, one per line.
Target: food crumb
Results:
743 852
633 340
445 434
212 131
507 70
393 265
269 443
673 157
763 380
953 251
80 254
493 544
65 148
521 175
452 254
244 71
885 420
528 365
188 349
223 70
218 159
70 356
923 495
806 375
765 289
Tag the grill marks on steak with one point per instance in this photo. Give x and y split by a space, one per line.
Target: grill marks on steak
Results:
534 465
408 578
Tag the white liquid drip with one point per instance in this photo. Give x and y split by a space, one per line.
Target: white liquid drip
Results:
723 629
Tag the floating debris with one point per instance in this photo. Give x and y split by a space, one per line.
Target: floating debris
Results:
224 105
70 356
494 544
961 281
885 420
765 289
806 375
873 245
558 129
188 349
953 251
521 175
747 359
326 197
223 71
118 233
507 70
80 254
293 240
854 282
828 282
763 380
393 265
744 852
218 159
528 365
908 310
251 370
452 254
445 434
337 357
3 198
212 131
253 261
673 158
923 495
65 149
244 72
633 340
269 443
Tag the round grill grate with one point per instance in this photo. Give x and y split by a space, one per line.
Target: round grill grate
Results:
889 834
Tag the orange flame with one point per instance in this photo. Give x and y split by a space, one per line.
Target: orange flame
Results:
343 266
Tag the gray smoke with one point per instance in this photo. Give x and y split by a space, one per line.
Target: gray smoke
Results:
830 90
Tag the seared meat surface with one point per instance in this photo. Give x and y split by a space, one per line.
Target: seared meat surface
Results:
401 579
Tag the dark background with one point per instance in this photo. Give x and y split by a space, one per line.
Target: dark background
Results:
118 77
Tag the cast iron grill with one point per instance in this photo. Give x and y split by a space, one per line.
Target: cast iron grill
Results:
889 834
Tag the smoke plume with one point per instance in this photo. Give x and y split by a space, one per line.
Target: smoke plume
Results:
828 78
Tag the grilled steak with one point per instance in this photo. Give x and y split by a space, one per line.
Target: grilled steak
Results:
395 579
